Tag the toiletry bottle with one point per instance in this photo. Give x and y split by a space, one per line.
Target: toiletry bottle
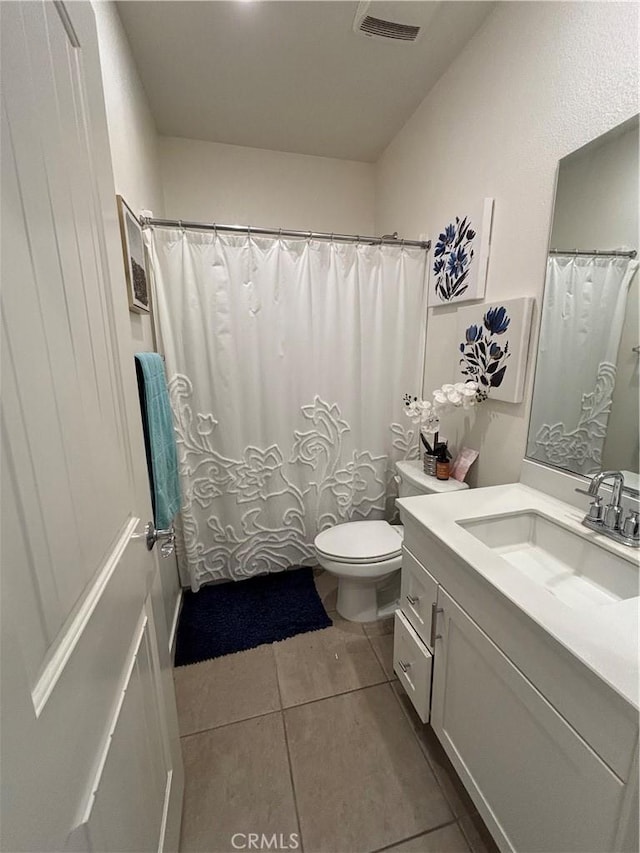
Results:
443 465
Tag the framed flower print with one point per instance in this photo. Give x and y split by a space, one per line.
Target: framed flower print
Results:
493 340
461 256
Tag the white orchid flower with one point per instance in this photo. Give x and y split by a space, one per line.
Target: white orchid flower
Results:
412 411
427 413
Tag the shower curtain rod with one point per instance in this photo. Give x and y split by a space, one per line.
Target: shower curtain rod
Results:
147 222
614 253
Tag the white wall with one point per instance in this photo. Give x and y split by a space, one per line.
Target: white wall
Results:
132 130
231 184
132 134
134 154
537 81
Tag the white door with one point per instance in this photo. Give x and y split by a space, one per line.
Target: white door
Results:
90 753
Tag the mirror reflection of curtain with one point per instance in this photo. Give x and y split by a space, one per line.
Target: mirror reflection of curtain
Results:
582 319
287 364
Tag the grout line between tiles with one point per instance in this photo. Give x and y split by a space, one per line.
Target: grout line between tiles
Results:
340 693
425 755
423 751
241 719
377 657
288 708
286 743
230 723
417 835
415 733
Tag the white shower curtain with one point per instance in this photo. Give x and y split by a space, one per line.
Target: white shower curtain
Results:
582 318
287 363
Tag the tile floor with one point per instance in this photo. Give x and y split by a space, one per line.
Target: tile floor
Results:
315 736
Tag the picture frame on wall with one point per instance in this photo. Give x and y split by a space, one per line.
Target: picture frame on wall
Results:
493 342
134 256
461 255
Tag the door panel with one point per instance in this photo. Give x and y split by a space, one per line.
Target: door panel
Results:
135 740
90 754
80 475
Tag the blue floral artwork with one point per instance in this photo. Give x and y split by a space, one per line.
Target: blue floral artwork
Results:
485 352
453 254
492 342
461 254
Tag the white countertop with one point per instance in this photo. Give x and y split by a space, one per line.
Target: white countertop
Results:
605 638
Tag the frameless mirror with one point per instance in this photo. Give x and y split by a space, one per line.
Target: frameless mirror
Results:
584 414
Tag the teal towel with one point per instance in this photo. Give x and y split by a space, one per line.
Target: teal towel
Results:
162 458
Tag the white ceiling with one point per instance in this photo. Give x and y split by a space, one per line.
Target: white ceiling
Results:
291 76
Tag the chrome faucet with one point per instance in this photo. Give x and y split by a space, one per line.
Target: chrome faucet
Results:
607 520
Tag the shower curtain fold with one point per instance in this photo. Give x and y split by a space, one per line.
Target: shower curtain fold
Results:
287 362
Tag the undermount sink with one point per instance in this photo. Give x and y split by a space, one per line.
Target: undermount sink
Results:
575 570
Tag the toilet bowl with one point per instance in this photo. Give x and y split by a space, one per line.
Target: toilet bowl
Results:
362 555
366 556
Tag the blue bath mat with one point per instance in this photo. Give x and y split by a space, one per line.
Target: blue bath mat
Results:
231 617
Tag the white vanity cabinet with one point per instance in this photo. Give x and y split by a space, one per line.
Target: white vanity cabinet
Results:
544 748
541 785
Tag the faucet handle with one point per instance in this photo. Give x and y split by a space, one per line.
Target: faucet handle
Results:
612 517
584 492
631 526
595 510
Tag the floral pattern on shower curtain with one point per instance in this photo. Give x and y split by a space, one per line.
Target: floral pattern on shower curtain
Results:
287 364
582 318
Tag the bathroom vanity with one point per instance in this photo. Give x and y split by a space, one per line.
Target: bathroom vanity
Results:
517 633
517 640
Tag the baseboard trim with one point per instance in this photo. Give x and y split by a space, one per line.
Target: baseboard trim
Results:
174 626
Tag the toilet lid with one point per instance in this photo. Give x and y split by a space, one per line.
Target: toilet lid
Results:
360 541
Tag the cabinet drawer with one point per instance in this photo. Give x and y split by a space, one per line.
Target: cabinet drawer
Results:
419 592
412 664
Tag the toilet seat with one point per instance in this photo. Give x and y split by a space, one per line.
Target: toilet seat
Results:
360 542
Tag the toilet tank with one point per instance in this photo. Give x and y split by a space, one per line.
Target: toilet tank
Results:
413 481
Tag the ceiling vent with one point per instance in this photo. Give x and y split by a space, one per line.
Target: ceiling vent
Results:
380 27
388 29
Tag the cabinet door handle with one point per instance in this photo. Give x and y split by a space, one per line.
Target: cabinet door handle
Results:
413 600
403 666
434 618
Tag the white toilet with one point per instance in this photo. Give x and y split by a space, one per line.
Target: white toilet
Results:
366 556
